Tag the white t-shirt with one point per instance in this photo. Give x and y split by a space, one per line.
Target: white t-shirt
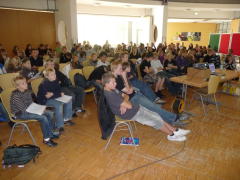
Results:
155 64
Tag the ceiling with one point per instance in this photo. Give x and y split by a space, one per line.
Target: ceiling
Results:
207 1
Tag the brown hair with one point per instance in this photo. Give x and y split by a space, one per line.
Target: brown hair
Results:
18 78
115 64
107 77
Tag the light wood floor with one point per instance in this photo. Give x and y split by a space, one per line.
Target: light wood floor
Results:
211 152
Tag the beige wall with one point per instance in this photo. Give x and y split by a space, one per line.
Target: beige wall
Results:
22 27
235 25
204 28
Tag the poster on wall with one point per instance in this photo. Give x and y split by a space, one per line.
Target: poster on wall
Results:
235 44
187 36
214 41
224 43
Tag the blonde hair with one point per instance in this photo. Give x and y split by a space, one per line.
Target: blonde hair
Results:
46 72
115 64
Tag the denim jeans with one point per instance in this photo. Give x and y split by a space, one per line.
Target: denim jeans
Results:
77 94
144 88
167 116
45 121
61 110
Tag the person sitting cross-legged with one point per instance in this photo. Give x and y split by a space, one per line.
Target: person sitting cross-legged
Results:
122 107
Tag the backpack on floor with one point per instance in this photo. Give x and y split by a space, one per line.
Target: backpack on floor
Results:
178 105
20 155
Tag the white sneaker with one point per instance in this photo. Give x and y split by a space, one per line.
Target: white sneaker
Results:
176 138
181 132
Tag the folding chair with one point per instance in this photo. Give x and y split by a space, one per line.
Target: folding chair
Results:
5 97
6 80
35 84
119 123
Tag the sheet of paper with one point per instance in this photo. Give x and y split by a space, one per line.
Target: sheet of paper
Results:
64 99
36 108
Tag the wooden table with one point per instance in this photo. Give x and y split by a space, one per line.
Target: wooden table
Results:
202 82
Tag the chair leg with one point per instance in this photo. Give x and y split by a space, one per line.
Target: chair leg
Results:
114 129
203 105
29 132
216 102
10 137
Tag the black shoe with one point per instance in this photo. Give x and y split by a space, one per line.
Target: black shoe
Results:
159 94
61 129
70 123
74 115
55 136
50 143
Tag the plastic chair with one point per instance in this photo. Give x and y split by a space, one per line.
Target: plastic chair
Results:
210 91
6 80
139 72
85 63
35 84
87 70
62 65
119 123
5 97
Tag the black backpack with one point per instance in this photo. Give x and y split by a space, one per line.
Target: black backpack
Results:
20 155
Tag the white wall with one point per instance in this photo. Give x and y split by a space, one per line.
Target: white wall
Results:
67 12
27 4
201 14
112 11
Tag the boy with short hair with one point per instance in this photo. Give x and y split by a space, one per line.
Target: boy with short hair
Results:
48 91
122 107
20 100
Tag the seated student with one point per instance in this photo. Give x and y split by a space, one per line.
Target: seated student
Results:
13 66
144 88
67 88
148 74
93 60
182 62
229 63
27 70
138 98
20 100
48 91
35 59
122 107
211 57
102 59
157 67
65 56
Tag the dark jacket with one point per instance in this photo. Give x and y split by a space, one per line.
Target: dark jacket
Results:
48 86
105 116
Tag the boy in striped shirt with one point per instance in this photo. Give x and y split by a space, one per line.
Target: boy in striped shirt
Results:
20 100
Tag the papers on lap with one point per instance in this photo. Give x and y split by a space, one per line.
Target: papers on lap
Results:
36 108
64 99
129 142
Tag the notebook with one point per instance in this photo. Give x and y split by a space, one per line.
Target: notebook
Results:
64 99
36 108
129 142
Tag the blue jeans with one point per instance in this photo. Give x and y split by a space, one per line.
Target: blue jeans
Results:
61 110
167 116
3 113
144 88
45 121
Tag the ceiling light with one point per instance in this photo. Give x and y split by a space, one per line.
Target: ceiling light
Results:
196 13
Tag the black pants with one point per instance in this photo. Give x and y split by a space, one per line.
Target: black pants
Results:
77 94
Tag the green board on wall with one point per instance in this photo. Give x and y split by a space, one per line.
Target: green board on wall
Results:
214 41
